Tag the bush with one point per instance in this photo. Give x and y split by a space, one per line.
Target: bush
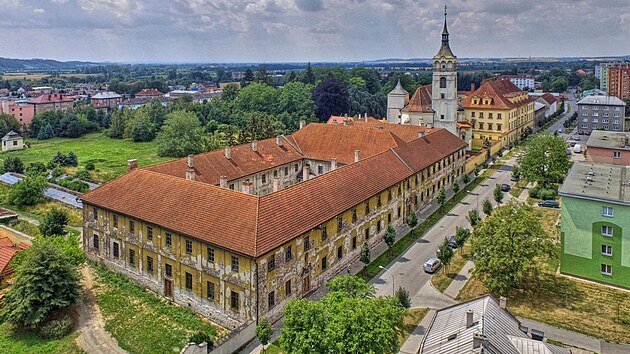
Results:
54 222
412 219
402 295
74 184
13 164
56 329
36 169
28 191
82 174
466 179
534 192
200 337
546 194
90 166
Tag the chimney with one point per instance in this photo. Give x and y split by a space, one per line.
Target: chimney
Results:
357 155
279 140
132 164
223 181
302 124
306 170
473 87
254 145
247 187
478 340
334 122
366 116
228 152
276 184
190 170
345 119
333 164
503 302
469 318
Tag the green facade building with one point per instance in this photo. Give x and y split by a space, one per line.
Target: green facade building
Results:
595 224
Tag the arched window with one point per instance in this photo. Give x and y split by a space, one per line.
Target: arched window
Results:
442 82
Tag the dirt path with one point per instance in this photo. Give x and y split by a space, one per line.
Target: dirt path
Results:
93 338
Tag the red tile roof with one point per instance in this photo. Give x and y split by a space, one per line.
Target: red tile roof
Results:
421 100
406 132
7 251
50 98
500 91
549 98
339 120
149 92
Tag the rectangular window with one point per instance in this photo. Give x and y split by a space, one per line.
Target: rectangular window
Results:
339 252
399 211
339 224
490 115
606 269
287 288
116 250
271 299
607 250
367 208
210 255
149 233
499 115
115 221
324 233
95 241
235 264
188 247
210 291
378 201
472 114
617 154
263 178
354 242
271 263
607 230
231 186
354 215
275 173
188 281
169 239
286 171
324 264
389 218
307 244
288 254
132 258
234 300
296 167
607 211
367 233
378 226
481 115
132 227
320 170
95 211
150 264
168 270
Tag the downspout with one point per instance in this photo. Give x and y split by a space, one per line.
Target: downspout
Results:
256 275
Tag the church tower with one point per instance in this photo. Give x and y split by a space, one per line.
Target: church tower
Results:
397 99
444 87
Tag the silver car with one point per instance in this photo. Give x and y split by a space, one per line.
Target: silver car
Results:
431 265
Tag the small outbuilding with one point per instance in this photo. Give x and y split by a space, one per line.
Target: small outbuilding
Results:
12 141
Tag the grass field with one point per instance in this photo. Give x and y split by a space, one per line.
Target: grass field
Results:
75 218
142 322
19 343
108 155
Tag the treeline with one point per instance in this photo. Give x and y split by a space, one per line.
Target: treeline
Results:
69 124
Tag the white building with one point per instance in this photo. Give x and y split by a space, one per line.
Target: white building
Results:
525 82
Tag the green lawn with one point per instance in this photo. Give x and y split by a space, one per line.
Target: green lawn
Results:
141 321
22 343
108 155
441 280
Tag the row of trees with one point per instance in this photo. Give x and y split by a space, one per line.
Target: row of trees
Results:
69 124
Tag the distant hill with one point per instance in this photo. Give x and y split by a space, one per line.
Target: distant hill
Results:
28 65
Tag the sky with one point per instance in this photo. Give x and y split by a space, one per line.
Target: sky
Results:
308 30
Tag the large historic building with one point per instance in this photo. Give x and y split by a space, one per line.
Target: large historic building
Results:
434 105
499 111
236 233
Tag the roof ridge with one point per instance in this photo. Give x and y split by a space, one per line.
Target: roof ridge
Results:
402 160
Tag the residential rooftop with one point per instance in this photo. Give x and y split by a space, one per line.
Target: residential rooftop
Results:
609 140
602 100
595 181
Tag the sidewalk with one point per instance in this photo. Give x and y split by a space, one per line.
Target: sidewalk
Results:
460 280
412 343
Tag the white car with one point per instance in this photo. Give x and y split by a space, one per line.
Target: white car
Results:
431 265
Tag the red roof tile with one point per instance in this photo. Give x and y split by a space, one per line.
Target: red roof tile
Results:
7 251
549 98
421 100
50 98
500 91
149 92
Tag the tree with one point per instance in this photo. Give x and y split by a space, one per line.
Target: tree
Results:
365 254
331 98
258 126
516 171
487 207
455 187
141 128
461 235
412 219
343 323
71 160
466 179
28 191
498 194
403 297
309 77
545 160
54 222
473 217
352 286
262 76
441 198
8 123
560 84
257 97
264 331
45 281
445 254
390 237
119 122
507 253
13 164
180 136
248 77
45 132
36 169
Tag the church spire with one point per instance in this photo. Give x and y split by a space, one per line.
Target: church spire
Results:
445 49
445 30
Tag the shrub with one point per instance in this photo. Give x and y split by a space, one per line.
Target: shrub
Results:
36 169
534 192
466 179
412 219
90 166
57 328
28 191
74 184
13 164
82 174
402 295
546 193
54 222
200 337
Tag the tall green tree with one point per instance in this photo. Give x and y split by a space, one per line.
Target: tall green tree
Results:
258 126
257 97
309 77
248 78
8 123
28 191
507 253
343 323
181 135
445 254
331 98
498 194
264 331
441 198
365 254
54 222
487 207
44 281
473 217
13 164
390 237
545 160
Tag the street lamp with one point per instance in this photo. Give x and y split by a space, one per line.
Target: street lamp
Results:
393 292
477 197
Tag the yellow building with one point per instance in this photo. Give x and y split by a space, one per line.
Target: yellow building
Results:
184 230
499 111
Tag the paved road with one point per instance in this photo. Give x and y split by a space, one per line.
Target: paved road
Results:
407 271
573 104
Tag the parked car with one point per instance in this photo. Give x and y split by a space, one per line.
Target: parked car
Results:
560 131
577 148
577 138
514 178
505 187
431 265
568 152
549 203
573 143
452 243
